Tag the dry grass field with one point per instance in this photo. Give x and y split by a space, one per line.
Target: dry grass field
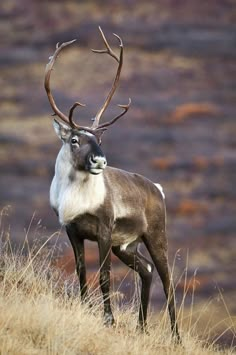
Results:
40 313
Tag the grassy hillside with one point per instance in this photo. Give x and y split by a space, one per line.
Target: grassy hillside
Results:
41 314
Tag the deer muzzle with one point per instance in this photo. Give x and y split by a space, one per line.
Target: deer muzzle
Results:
97 164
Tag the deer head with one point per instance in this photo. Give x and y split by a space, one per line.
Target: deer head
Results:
84 142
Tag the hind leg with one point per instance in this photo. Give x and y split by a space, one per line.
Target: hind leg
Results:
136 261
157 248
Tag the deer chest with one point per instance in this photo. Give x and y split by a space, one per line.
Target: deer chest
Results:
73 199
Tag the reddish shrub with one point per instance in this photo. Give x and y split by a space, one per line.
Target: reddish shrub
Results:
163 163
202 162
193 110
190 207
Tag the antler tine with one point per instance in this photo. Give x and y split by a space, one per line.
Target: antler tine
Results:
48 70
125 107
108 49
72 123
119 59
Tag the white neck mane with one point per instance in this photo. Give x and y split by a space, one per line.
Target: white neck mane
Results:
72 192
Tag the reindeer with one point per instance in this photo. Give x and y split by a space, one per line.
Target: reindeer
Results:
117 209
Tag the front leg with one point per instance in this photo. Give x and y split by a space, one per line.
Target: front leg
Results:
104 245
78 248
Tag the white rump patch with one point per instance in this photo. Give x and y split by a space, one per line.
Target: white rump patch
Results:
149 267
123 247
160 188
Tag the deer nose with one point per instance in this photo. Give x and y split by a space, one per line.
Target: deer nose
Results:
98 162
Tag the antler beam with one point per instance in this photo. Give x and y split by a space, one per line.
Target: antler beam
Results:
108 50
49 67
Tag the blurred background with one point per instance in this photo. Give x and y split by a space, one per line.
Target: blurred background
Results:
179 69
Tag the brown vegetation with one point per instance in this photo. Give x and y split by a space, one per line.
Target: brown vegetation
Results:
193 110
202 162
190 207
163 163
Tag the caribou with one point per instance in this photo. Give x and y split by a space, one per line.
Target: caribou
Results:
117 209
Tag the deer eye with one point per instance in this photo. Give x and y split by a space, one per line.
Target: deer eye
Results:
75 140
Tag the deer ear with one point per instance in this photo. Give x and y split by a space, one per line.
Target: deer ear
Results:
63 131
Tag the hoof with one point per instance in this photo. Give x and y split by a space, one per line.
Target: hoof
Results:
86 300
177 339
142 327
109 320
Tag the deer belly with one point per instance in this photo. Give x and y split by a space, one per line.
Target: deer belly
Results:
127 230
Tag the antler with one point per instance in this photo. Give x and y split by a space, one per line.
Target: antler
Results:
125 107
95 128
49 67
119 59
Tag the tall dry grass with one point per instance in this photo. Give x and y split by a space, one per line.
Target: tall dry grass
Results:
38 317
